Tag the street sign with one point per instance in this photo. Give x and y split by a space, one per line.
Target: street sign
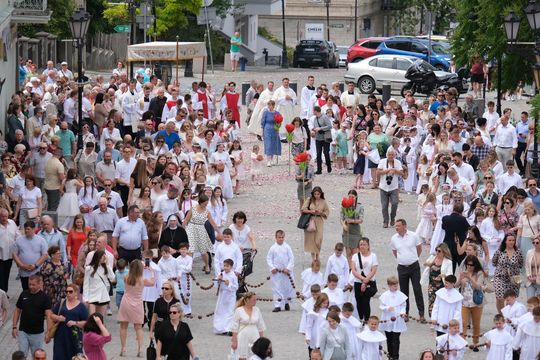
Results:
140 19
122 28
148 26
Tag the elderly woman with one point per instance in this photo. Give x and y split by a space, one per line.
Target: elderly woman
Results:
318 208
272 144
174 337
29 202
54 274
85 160
528 228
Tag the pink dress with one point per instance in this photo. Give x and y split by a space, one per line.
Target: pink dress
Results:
93 345
131 308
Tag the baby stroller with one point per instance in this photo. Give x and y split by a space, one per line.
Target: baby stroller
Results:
247 268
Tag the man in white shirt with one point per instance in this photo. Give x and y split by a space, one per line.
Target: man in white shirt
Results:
101 245
64 71
389 170
8 233
124 168
130 112
388 119
509 178
505 139
115 201
463 169
305 99
168 204
104 218
492 118
350 97
458 183
69 107
406 248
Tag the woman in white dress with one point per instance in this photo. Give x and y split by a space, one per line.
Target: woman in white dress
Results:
110 132
443 209
88 198
69 204
217 206
237 154
223 164
492 232
213 179
247 325
242 234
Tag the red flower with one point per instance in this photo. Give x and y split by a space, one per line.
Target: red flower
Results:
278 118
347 202
289 127
301 158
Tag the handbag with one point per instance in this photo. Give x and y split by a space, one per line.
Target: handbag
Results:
311 225
303 221
515 279
151 351
51 330
371 287
32 213
374 156
478 296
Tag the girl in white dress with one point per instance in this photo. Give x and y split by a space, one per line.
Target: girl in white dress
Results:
443 209
256 163
247 325
238 155
217 206
88 198
424 230
223 163
315 319
69 203
213 179
422 171
492 232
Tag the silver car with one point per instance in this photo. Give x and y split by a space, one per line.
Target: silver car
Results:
370 74
342 55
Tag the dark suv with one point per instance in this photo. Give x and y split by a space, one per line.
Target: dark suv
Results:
316 53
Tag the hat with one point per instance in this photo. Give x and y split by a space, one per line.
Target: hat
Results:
28 84
199 157
64 63
33 78
169 121
392 99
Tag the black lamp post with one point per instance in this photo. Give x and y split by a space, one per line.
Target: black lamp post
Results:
79 22
327 3
131 10
284 59
511 26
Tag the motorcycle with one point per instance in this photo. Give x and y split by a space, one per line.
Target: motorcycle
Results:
424 79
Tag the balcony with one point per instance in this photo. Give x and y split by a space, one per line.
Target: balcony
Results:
30 11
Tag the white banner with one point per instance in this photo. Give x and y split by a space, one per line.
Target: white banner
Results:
165 51
314 31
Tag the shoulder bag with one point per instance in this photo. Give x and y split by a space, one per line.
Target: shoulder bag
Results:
478 295
51 331
303 221
371 287
151 351
327 133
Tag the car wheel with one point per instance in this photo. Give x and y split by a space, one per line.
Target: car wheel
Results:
366 85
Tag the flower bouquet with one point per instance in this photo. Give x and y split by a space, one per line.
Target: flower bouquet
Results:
290 128
278 119
348 209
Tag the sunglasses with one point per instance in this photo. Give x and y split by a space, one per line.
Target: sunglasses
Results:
154 183
439 250
43 148
508 202
69 291
536 242
165 288
173 312
107 185
488 178
532 185
470 264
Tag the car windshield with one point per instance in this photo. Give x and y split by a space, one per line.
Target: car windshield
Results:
342 50
426 65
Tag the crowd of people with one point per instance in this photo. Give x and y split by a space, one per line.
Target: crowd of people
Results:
116 206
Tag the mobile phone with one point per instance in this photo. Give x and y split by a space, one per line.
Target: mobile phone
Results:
147 262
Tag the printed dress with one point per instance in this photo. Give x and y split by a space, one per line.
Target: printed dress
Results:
199 241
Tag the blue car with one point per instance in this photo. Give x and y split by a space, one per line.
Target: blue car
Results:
439 56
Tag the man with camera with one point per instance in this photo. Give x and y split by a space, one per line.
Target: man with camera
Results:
389 170
322 132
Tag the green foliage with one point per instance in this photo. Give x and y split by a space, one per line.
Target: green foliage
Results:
535 108
58 25
481 31
405 20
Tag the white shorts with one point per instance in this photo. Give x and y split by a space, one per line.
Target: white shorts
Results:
235 56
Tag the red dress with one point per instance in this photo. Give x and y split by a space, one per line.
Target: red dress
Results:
74 242
232 104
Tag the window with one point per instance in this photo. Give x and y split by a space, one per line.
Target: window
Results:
385 63
371 44
373 62
403 64
398 45
418 48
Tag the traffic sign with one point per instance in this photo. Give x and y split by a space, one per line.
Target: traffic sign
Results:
140 19
122 28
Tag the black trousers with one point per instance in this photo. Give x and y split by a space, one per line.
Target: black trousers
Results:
129 255
521 148
149 310
412 273
321 146
5 268
123 190
362 302
392 343
24 282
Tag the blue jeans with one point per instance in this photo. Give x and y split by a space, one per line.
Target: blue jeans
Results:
119 295
533 290
30 342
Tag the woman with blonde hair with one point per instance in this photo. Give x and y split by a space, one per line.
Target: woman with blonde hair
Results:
492 232
162 306
174 338
247 325
437 267
131 308
528 228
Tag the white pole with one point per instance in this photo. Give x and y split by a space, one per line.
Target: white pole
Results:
209 39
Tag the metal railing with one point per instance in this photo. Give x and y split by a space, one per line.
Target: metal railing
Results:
29 6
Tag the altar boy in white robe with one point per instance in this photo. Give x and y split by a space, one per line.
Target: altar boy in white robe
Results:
452 344
227 286
393 304
498 341
337 264
185 265
512 311
335 294
371 340
447 305
528 337
280 260
285 99
353 327
310 277
169 267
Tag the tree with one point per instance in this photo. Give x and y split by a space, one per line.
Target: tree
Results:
481 31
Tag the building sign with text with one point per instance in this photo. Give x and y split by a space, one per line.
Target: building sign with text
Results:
314 31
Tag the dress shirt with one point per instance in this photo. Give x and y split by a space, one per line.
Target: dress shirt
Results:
8 235
505 181
465 171
130 234
387 122
29 251
103 220
124 169
115 200
166 206
405 246
492 119
522 128
505 136
55 238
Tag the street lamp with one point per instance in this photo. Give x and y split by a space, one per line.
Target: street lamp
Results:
284 59
327 3
79 22
511 26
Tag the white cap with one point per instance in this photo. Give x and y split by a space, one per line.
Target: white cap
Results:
28 84
64 63
392 99
33 78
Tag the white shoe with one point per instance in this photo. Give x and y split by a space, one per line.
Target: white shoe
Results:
109 312
269 164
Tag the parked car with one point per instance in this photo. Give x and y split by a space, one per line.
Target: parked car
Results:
316 53
342 50
363 49
370 74
439 55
